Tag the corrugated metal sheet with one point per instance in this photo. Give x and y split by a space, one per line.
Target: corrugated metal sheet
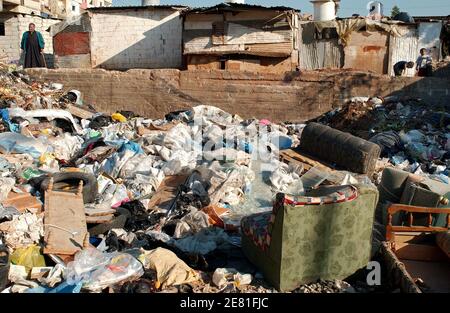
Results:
321 54
404 49
429 38
316 54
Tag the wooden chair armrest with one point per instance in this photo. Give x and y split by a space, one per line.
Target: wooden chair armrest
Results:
394 208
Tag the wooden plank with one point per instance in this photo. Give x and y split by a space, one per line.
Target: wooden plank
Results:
99 212
394 208
418 252
95 219
22 202
79 112
165 197
65 229
417 228
290 154
241 34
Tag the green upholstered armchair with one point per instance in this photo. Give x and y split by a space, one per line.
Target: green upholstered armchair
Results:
325 234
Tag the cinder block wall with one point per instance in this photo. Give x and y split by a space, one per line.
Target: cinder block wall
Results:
15 26
279 97
136 39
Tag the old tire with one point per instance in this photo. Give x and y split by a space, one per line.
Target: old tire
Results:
90 188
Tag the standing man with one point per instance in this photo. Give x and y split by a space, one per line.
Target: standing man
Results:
400 67
33 45
424 64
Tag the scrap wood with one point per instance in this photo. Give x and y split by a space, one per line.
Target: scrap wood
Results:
22 202
99 211
294 156
80 112
165 197
65 229
99 219
215 213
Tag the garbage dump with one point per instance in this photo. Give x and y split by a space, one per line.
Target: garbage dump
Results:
96 202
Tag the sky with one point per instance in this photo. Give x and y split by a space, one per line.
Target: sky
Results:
348 7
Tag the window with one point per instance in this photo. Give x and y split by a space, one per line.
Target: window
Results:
2 29
74 8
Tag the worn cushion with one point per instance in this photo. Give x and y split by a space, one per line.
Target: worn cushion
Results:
258 227
255 227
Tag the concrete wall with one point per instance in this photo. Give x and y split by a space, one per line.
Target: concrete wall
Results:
136 39
294 97
15 26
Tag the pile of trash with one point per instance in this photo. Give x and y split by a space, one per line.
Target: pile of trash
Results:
414 136
94 202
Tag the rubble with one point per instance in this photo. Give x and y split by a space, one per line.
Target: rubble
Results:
160 201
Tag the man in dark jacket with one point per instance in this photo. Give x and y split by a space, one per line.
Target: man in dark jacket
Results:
400 67
33 45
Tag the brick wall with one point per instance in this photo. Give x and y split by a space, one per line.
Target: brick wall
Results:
15 26
136 39
288 97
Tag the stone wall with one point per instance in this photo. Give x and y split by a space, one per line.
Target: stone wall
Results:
279 97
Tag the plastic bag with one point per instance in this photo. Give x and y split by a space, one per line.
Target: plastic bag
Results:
29 257
203 242
225 276
6 184
170 270
18 143
97 270
314 177
119 118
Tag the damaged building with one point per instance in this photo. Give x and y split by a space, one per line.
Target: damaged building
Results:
367 45
241 37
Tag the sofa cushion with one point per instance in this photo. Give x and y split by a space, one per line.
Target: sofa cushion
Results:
255 227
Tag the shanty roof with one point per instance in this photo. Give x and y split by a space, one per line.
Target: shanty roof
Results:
234 7
139 7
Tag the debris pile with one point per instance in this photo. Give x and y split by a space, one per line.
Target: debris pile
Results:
92 202
413 135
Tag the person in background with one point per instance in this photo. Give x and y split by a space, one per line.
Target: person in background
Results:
400 67
424 64
33 46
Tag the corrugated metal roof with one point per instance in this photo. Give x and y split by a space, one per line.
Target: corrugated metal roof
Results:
140 7
232 7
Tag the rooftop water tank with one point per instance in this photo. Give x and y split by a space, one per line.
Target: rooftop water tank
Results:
324 10
150 2
235 1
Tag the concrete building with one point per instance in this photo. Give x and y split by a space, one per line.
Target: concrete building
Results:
119 38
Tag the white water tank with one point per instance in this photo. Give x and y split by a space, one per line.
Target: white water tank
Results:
375 8
150 2
324 10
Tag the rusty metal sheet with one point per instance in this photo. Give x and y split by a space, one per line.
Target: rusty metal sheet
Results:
71 43
368 51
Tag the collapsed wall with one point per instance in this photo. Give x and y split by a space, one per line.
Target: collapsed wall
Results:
292 97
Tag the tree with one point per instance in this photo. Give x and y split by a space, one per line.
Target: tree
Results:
395 11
